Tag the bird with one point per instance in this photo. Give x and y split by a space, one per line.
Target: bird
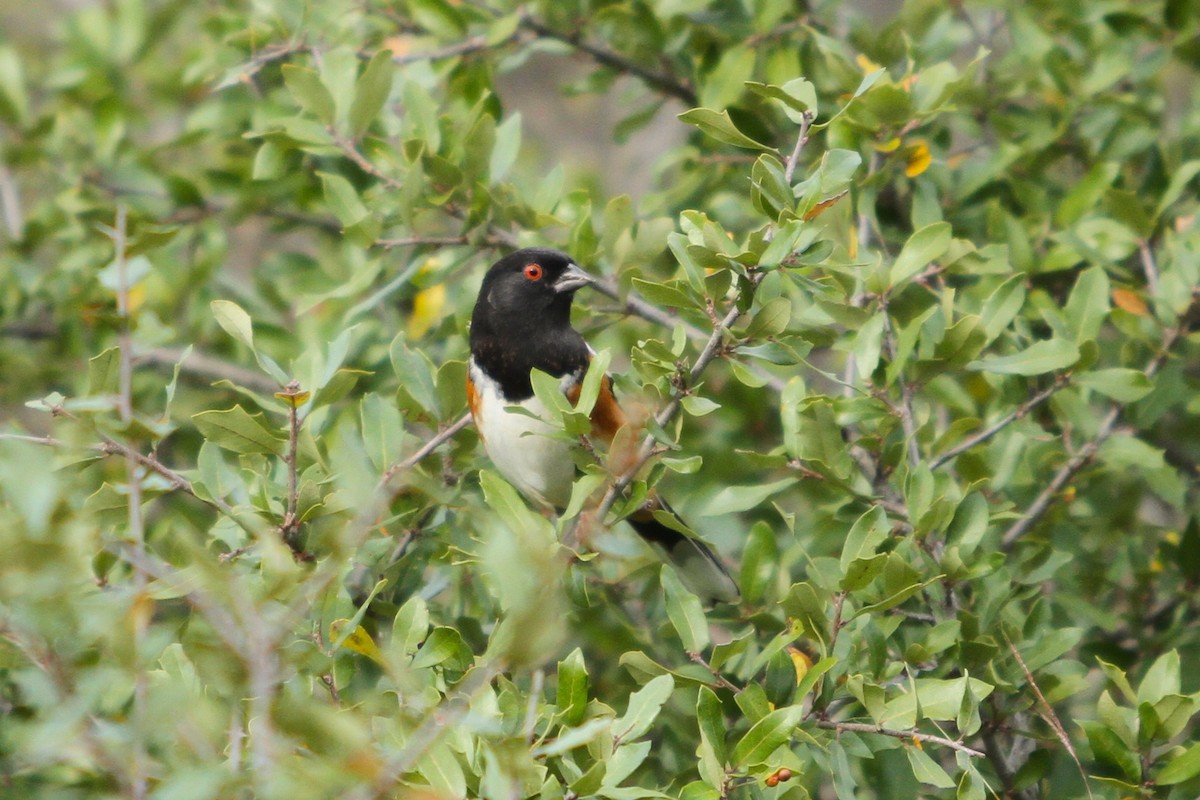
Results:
522 321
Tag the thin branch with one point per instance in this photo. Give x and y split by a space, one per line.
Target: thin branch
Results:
203 365
291 521
1046 498
987 433
789 170
437 723
711 349
1041 504
412 241
1049 715
45 441
351 151
1149 266
913 735
437 441
467 46
139 782
663 83
251 68
718 678
10 204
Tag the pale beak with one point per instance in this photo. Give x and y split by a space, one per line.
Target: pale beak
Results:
572 279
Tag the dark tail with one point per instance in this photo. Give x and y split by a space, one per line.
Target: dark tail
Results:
698 566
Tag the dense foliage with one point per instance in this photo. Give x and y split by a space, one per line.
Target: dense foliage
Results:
908 314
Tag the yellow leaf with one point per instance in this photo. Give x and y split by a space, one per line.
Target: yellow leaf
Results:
427 310
890 146
865 64
800 661
1128 300
137 296
918 158
816 210
357 642
293 399
852 248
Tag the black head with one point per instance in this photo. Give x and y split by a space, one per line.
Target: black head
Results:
534 282
522 318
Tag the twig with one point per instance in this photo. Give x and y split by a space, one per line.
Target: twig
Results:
789 170
711 349
251 67
864 727
666 84
45 441
1149 266
291 522
1045 499
440 720
207 366
718 678
351 152
987 433
437 441
10 202
467 46
1048 714
137 533
411 241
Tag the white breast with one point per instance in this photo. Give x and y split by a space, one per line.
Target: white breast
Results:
522 448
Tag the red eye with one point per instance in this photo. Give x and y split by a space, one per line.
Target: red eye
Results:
533 272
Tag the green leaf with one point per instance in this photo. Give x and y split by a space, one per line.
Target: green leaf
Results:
685 612
14 98
411 625
104 372
1039 358
306 87
508 145
664 294
572 695
443 644
732 499
1089 304
796 96
1108 747
573 738
969 524
644 705
770 320
1003 305
766 736
338 386
926 770
1121 384
1162 679
438 17
710 716
697 406
234 320
1181 176
719 126
342 199
1182 767
924 246
865 536
238 431
371 91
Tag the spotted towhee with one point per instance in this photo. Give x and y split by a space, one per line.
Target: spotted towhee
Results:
522 321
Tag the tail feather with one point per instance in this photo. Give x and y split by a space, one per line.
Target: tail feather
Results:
698 566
